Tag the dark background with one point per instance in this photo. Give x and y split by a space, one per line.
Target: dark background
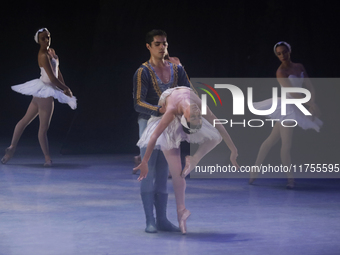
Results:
102 43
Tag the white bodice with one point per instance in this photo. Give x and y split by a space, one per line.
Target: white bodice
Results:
44 77
295 80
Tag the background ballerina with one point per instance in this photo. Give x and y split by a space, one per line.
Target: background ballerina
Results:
181 121
50 85
288 74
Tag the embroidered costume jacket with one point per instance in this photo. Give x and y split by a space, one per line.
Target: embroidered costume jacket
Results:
146 90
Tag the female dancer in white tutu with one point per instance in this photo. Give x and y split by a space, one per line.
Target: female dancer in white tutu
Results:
288 74
50 85
181 121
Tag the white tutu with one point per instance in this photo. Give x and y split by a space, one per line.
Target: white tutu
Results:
292 112
173 135
43 88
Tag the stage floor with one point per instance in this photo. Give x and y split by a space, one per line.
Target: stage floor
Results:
90 204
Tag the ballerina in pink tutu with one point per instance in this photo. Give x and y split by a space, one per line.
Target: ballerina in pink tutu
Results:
50 85
182 120
288 74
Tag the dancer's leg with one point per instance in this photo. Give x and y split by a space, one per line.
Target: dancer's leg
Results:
161 173
161 195
142 123
203 149
148 192
286 139
45 106
271 140
147 184
175 166
30 115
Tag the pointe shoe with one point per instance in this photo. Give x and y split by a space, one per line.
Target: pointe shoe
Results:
251 180
186 170
9 154
290 183
253 177
182 220
48 163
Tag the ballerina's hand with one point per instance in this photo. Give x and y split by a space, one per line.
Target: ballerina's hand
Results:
315 111
233 157
143 170
68 92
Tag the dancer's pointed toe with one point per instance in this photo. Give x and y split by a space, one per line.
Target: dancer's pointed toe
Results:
182 220
48 163
9 152
251 180
290 183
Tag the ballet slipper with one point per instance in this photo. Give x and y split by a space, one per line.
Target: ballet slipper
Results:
48 163
290 183
187 169
9 154
182 220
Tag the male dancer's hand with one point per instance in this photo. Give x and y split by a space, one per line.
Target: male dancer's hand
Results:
162 110
143 170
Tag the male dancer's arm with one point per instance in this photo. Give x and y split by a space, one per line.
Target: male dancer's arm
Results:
141 83
183 78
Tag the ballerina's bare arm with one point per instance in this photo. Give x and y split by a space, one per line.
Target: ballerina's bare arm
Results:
282 78
44 62
162 125
314 109
210 117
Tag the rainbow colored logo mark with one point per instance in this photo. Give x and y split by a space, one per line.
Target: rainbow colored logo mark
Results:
209 93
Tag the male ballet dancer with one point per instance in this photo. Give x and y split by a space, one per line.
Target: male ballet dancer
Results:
150 80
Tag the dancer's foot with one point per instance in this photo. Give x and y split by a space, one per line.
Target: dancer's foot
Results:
48 163
253 177
182 220
251 180
290 183
138 160
166 225
189 166
9 154
151 228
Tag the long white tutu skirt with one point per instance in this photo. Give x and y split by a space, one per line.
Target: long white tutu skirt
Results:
292 112
38 88
173 135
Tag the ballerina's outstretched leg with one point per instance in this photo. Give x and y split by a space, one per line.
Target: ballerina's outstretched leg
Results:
30 115
271 140
192 161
